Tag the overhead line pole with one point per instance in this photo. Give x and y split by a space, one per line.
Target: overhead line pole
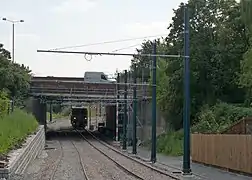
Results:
125 113
154 102
117 107
186 121
134 150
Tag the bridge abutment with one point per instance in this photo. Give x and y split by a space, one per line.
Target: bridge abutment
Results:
39 111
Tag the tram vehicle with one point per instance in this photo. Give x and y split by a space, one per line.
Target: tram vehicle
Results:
79 117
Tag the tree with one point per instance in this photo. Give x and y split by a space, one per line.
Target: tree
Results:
218 40
246 64
4 53
14 78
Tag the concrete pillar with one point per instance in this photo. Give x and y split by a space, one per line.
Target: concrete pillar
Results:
50 111
39 111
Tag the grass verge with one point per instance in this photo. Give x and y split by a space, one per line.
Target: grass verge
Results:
14 128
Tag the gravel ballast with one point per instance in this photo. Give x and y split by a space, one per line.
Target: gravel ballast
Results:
131 165
97 166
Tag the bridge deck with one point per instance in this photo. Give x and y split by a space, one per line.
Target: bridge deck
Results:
74 89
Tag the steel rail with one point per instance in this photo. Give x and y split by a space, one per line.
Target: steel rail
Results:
133 159
111 159
81 162
57 162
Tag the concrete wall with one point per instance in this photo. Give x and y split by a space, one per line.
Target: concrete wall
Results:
111 118
20 158
39 111
144 115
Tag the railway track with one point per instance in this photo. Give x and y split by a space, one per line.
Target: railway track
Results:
52 177
159 165
59 159
81 162
128 170
111 159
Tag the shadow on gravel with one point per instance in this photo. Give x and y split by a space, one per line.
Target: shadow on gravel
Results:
67 134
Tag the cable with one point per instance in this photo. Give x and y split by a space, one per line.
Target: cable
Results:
106 42
127 47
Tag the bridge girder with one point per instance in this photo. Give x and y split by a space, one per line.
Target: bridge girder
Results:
62 89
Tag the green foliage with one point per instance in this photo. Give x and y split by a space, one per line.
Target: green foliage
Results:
14 128
217 44
14 78
214 119
246 9
63 113
14 84
220 116
171 143
246 64
246 74
4 103
220 68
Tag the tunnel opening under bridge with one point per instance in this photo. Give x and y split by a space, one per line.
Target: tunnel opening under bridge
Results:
98 115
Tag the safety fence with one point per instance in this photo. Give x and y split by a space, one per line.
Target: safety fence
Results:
231 152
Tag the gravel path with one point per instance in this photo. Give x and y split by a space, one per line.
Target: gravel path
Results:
97 166
134 167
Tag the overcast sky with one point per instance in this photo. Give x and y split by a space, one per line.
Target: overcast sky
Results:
58 23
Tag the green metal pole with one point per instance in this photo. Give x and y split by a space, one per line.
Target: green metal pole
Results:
186 120
118 109
154 103
134 148
125 111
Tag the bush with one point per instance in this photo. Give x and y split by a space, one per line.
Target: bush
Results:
216 118
4 103
171 143
213 119
14 128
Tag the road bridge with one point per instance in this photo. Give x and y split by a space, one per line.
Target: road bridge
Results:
77 90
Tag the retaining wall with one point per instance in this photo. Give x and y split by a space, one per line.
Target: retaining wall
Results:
20 158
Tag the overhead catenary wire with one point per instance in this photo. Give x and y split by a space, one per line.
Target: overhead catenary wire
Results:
105 42
116 50
127 47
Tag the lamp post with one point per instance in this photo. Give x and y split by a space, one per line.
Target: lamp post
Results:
13 31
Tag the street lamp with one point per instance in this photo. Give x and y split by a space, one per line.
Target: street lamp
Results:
13 30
